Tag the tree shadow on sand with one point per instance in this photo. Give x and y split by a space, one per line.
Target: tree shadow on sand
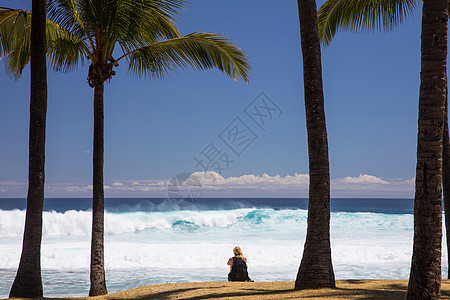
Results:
285 294
161 295
347 289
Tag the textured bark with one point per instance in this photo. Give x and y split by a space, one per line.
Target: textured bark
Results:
425 277
98 283
98 74
446 178
316 269
446 175
28 282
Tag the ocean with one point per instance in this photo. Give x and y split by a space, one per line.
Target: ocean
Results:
151 241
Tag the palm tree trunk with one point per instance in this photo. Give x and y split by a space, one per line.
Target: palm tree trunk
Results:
425 277
98 284
28 282
446 175
446 179
316 269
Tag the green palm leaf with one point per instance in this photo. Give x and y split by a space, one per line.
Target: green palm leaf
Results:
65 13
64 54
144 30
16 62
64 50
361 15
197 50
14 26
131 21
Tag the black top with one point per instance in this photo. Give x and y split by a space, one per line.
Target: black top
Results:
238 270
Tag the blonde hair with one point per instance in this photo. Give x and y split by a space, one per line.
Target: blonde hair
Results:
238 252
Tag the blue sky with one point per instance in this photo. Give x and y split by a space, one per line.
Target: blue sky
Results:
155 128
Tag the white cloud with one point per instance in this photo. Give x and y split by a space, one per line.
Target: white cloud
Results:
363 179
216 185
410 182
213 180
371 186
87 151
70 188
67 189
12 183
297 185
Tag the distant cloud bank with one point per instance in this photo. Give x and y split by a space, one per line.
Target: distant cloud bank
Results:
212 184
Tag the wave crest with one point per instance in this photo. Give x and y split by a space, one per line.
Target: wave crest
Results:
78 223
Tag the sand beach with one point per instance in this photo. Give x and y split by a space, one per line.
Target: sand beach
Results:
345 289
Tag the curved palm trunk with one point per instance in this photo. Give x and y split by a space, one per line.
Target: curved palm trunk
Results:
28 282
425 277
316 269
98 284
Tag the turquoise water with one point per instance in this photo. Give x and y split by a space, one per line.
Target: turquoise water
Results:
146 242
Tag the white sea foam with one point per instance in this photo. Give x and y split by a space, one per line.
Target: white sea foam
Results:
78 223
197 244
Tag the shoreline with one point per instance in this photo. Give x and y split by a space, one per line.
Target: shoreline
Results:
345 289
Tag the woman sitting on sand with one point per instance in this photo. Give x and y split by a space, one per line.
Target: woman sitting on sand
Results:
238 266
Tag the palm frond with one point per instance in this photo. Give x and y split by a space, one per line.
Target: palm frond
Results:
144 29
150 20
168 9
66 14
64 49
135 24
197 50
14 25
91 16
16 62
65 52
361 15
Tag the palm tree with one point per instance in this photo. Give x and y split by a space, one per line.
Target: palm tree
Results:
28 281
425 274
425 277
316 269
145 35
